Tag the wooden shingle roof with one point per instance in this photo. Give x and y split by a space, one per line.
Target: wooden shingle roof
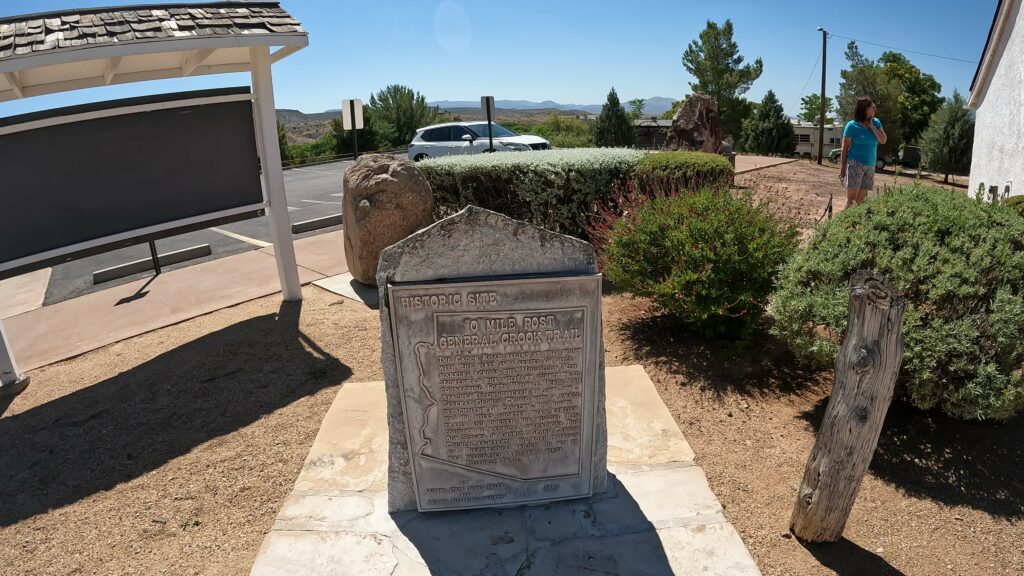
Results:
23 35
71 50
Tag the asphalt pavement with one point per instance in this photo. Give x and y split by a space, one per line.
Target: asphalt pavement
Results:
313 192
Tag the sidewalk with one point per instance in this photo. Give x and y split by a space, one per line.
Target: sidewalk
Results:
659 515
53 333
746 163
23 293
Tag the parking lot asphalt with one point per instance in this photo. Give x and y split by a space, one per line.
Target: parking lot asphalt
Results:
313 192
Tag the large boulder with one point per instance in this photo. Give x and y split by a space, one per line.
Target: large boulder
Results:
696 126
386 199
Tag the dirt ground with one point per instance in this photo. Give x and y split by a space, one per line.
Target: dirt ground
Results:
800 190
941 496
171 453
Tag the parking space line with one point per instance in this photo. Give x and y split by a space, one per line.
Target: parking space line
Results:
317 171
252 241
321 201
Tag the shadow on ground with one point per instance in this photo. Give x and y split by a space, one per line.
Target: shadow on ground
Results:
955 462
605 534
848 559
121 428
758 365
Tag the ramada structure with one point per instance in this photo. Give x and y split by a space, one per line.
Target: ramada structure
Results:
62 51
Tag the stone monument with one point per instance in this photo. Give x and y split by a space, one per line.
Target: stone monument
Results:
494 365
386 199
696 126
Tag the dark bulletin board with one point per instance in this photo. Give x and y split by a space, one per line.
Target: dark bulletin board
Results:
71 183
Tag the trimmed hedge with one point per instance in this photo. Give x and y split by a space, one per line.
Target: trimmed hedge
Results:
1016 202
960 264
682 170
709 258
557 189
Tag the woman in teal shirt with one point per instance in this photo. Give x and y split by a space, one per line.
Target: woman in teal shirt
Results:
861 138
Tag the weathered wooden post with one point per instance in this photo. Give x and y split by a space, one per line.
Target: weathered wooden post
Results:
866 370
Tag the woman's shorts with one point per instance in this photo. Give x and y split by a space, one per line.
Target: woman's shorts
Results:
859 175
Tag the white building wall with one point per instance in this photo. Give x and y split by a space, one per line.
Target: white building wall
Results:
998 156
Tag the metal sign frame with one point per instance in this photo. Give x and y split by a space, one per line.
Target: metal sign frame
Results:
140 235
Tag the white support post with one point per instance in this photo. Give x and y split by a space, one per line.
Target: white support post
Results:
15 83
273 176
11 380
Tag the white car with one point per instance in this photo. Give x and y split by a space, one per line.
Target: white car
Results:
469 138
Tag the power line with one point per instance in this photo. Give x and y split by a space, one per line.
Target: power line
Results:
802 90
904 49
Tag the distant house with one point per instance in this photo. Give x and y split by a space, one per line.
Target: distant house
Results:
807 139
997 97
651 132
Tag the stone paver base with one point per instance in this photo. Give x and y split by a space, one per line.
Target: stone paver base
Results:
658 517
346 285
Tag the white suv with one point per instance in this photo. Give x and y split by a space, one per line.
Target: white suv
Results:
469 138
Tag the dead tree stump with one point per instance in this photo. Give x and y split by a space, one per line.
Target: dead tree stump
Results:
866 369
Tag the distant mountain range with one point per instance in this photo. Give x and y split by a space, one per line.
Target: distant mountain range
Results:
655 106
288 116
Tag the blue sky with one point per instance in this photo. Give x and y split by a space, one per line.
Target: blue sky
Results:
570 51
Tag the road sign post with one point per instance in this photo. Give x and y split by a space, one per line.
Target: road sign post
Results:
487 104
352 119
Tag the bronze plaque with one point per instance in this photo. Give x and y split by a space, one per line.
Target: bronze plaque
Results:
498 381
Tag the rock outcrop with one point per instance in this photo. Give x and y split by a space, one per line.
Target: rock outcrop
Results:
696 126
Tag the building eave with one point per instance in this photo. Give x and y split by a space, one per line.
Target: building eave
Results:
1002 26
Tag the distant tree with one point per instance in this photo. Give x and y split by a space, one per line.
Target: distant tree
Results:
920 98
636 109
947 142
715 61
671 112
810 109
376 134
769 131
613 127
404 109
282 143
905 97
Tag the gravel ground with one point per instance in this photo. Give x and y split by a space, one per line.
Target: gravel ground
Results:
171 452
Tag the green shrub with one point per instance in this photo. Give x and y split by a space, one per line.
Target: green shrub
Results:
1017 203
557 189
561 130
959 263
675 171
315 151
708 258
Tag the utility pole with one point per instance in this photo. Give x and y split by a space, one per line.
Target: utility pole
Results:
821 109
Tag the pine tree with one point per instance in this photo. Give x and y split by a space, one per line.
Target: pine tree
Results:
613 127
769 131
714 60
947 142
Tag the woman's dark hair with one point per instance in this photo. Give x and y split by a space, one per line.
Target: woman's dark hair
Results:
860 111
